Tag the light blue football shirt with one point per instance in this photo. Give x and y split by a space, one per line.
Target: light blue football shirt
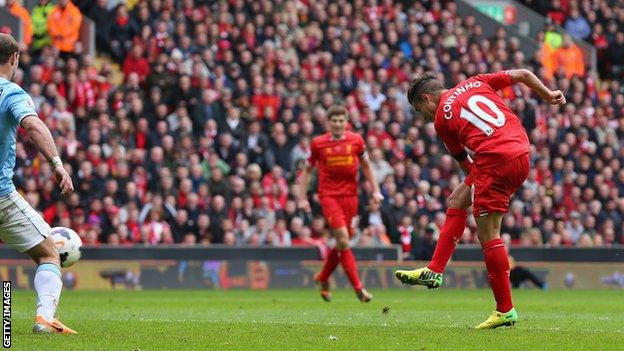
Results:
15 104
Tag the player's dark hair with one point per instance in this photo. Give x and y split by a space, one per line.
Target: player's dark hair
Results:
426 84
336 111
8 47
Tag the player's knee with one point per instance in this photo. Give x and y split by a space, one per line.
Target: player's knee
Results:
487 236
452 202
342 245
342 241
457 201
45 252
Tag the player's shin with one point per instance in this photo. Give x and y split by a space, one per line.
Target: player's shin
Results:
451 232
331 262
350 267
48 285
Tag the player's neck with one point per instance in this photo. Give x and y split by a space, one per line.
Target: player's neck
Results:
438 96
5 72
337 136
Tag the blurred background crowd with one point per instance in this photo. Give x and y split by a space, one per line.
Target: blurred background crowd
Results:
193 123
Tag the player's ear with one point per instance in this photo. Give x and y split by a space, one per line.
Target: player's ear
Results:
425 97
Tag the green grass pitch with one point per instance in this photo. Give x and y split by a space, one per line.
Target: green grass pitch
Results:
298 320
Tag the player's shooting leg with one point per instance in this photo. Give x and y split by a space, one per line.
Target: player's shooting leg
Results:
453 228
460 198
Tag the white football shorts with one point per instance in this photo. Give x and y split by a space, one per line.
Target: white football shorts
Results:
21 227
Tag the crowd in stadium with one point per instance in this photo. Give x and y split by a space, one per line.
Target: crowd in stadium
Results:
205 136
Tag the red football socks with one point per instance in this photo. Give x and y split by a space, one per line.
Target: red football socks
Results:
450 234
350 267
497 264
331 262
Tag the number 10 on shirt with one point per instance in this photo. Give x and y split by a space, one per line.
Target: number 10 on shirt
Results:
480 118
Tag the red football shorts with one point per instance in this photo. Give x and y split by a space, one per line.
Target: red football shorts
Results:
493 187
339 210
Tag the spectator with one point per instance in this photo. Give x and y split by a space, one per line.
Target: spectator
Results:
122 30
373 236
39 17
616 55
577 26
406 231
137 63
102 19
20 12
64 26
381 167
257 145
570 58
556 13
158 230
574 227
233 124
375 98
375 215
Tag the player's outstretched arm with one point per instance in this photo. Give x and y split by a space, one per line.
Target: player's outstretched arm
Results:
370 176
554 97
40 136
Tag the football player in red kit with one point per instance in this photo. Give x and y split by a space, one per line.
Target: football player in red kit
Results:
473 116
337 155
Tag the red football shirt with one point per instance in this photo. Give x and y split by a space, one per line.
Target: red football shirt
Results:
474 116
338 162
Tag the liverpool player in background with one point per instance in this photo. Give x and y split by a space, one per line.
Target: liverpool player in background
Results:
472 115
337 155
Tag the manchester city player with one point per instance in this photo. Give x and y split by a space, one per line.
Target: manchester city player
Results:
21 227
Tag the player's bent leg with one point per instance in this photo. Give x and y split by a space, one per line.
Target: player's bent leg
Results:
452 230
460 198
497 264
48 285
